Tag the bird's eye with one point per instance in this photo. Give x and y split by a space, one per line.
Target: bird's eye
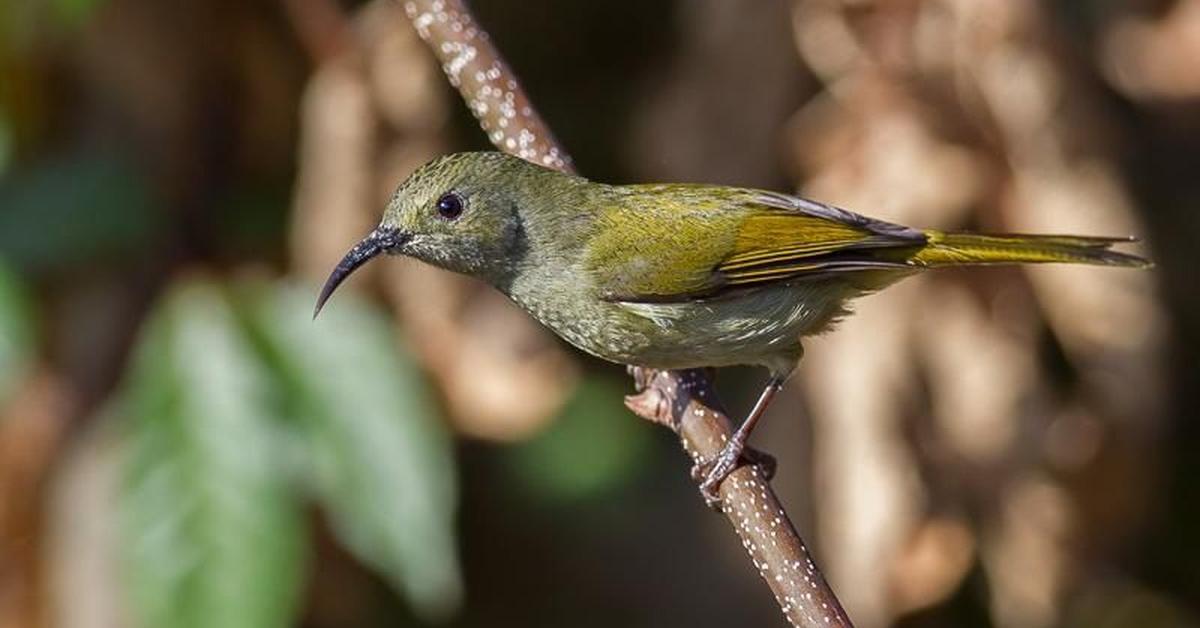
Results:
450 206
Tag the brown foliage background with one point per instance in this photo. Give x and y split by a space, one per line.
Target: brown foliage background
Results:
1008 447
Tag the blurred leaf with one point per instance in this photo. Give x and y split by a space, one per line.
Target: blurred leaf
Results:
48 224
75 12
592 448
381 462
253 222
6 142
211 534
16 333
22 23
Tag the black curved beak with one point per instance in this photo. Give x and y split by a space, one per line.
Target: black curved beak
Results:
381 240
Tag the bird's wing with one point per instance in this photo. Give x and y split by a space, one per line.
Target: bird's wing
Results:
787 237
703 242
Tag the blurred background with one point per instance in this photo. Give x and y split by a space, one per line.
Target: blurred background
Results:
181 446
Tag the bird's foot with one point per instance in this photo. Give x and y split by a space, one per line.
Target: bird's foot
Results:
712 472
765 462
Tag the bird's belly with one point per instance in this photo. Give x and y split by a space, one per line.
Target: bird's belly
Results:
758 327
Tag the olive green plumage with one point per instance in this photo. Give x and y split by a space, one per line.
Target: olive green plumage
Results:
673 276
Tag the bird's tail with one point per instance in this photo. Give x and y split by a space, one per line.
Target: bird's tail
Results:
958 249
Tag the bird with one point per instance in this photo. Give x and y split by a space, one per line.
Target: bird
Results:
674 275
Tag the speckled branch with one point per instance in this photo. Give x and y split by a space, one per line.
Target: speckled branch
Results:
681 400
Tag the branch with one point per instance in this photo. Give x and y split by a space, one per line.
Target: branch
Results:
681 400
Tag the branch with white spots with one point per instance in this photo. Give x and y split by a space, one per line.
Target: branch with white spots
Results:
474 66
685 402
681 400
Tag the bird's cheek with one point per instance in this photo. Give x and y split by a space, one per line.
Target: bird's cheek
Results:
433 249
418 246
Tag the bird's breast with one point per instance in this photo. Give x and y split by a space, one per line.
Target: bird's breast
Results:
755 327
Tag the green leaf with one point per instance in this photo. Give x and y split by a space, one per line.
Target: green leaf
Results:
75 13
594 447
211 534
6 142
104 212
16 333
381 461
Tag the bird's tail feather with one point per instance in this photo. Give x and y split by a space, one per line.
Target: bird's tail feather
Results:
957 249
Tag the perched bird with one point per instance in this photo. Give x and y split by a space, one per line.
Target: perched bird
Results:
673 275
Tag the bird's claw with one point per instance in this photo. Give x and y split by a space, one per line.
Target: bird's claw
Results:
712 472
765 462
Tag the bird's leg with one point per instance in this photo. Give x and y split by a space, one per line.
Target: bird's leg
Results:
715 471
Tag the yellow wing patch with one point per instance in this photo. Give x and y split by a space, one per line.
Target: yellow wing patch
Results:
776 245
658 250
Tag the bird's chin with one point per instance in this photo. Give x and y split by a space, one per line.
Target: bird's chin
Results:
454 256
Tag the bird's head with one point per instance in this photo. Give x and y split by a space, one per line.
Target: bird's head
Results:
460 212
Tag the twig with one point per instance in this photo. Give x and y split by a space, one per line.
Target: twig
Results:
681 400
490 89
